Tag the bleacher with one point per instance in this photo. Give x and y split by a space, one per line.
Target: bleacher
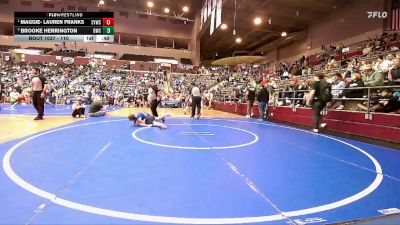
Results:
185 61
45 50
68 53
7 48
105 53
141 58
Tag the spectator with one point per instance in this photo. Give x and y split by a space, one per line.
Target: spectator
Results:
338 85
331 64
378 64
373 102
372 78
251 96
394 74
391 102
291 91
387 65
356 82
263 98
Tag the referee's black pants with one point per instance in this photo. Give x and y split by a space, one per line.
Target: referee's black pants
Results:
153 106
196 103
317 107
38 103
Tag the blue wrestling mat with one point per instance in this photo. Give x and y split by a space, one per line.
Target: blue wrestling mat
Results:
49 110
209 171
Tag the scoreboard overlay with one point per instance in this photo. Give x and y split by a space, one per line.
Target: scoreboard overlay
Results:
64 27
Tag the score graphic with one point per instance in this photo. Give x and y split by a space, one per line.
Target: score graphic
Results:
108 26
62 26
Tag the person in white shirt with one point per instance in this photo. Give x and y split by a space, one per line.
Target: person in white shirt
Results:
196 101
338 86
378 65
387 65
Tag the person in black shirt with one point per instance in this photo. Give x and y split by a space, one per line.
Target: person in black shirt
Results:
263 98
251 97
317 102
39 89
373 102
357 82
391 102
78 109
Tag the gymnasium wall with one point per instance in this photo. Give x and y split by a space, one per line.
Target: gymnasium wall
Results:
132 24
347 25
119 49
380 126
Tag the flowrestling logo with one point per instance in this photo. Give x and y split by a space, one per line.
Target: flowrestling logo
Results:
377 14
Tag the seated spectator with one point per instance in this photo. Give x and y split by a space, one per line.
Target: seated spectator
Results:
367 50
356 82
78 108
96 109
389 102
338 85
373 102
372 78
331 64
387 65
378 64
290 91
394 74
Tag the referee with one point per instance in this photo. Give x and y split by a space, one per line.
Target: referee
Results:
196 101
39 88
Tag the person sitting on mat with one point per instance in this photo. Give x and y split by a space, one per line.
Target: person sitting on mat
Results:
78 108
146 120
96 109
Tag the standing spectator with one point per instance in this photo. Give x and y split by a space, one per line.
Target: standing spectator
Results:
251 97
320 94
196 101
39 88
263 98
372 78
